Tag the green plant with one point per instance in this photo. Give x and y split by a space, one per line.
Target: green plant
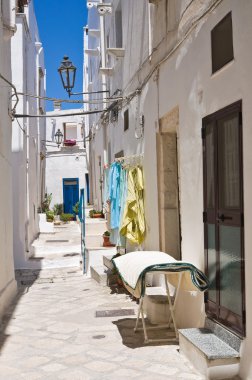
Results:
58 208
91 213
106 233
66 217
49 216
94 212
45 205
76 208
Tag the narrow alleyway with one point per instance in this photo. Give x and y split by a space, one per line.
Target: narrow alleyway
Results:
57 328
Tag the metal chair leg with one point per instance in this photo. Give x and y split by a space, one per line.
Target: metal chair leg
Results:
138 313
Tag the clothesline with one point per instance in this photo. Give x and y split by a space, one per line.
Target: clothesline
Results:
135 156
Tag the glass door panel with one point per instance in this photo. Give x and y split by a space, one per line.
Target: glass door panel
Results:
230 268
210 180
228 163
211 264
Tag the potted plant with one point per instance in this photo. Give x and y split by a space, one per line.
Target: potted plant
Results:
96 214
70 142
66 218
45 205
58 210
106 241
49 216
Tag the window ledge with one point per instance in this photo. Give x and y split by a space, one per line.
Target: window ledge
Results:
223 68
117 52
106 70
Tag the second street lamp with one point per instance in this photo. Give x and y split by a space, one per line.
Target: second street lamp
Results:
58 137
67 73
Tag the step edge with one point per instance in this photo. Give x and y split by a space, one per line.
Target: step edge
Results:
223 333
101 267
211 357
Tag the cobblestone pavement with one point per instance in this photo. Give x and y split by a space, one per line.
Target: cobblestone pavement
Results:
51 332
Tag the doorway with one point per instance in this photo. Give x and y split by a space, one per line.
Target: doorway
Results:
168 184
70 194
223 216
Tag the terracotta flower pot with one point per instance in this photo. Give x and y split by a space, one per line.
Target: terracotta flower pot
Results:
106 241
97 216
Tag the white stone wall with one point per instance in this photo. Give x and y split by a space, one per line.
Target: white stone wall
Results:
64 162
28 168
170 60
7 277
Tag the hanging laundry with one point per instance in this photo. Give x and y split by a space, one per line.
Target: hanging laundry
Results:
114 194
121 240
133 224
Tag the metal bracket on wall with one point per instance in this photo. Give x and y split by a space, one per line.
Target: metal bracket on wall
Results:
103 8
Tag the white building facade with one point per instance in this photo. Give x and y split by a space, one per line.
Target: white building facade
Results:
28 73
186 106
7 276
66 164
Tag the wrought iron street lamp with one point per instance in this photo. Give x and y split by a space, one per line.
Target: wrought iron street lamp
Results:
58 137
67 73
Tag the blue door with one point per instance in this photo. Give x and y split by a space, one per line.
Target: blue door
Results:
70 194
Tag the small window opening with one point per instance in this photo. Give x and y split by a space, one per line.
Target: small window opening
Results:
118 28
126 120
222 43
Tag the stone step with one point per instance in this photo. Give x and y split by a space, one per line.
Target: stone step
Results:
107 260
93 241
93 227
224 334
214 358
103 276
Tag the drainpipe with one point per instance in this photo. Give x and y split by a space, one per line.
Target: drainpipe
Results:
27 248
27 127
150 29
104 95
103 52
39 49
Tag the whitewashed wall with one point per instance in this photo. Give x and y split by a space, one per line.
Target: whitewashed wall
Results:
173 69
7 277
28 167
64 162
199 93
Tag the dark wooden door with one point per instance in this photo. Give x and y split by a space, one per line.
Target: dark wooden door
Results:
223 216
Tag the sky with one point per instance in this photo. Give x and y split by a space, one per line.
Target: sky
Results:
60 24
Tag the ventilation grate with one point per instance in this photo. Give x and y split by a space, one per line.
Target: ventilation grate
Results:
114 313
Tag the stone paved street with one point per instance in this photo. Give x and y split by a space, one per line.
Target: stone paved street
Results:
51 332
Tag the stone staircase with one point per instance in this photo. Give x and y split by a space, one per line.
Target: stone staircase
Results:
213 350
96 252
103 272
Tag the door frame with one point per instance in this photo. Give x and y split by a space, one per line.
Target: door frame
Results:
215 310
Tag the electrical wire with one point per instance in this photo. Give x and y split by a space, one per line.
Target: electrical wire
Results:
15 93
19 116
20 126
94 101
172 51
